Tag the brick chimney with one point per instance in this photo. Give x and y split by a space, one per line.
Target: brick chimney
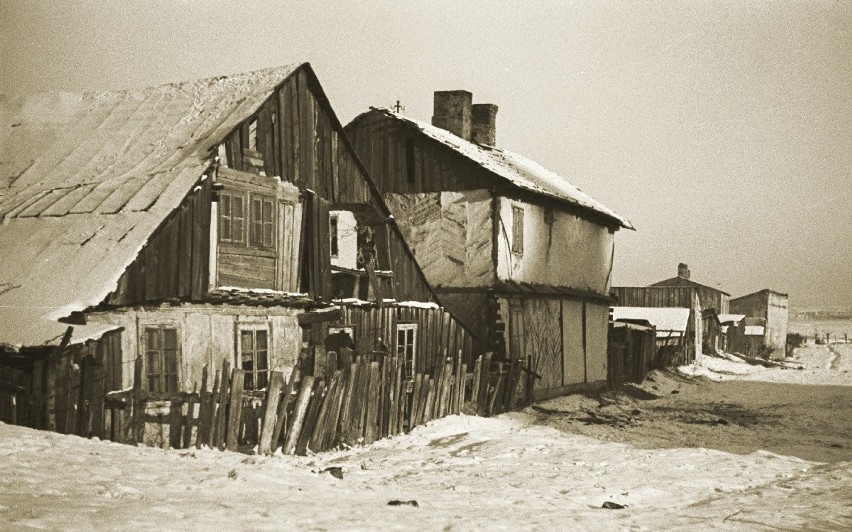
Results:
683 271
484 124
452 112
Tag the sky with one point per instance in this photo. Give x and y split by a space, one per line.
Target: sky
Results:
722 130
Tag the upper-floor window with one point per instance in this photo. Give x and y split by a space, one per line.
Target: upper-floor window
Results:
259 221
254 356
231 217
334 243
262 221
517 229
161 358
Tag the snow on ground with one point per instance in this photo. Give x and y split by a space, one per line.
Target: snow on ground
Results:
524 470
464 472
813 364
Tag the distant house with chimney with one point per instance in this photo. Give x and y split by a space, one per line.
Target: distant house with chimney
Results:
522 257
705 303
767 313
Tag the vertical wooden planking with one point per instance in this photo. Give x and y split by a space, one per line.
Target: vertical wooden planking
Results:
201 434
345 418
224 388
284 408
413 419
429 405
189 419
311 416
270 414
138 404
330 437
317 434
474 392
235 409
213 412
371 431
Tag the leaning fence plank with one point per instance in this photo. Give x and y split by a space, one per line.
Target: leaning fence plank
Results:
446 384
310 419
213 412
224 386
235 409
317 434
203 410
461 380
330 436
413 420
430 401
299 412
270 413
190 418
137 423
284 408
474 392
371 423
345 419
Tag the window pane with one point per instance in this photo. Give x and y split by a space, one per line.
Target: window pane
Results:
267 235
225 229
238 207
172 383
154 383
246 341
171 360
267 211
169 338
248 381
152 338
225 205
261 340
256 210
237 230
261 379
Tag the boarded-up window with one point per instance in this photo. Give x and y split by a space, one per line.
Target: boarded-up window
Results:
161 358
231 217
254 355
517 348
517 229
262 221
406 347
109 352
332 236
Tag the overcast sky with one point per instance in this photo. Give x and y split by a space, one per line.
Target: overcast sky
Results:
722 130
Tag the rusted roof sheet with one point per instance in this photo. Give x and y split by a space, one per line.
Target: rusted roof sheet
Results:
518 170
86 178
664 319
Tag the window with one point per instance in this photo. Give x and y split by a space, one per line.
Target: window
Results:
332 235
252 135
516 334
517 229
109 351
254 354
231 217
262 221
406 347
161 358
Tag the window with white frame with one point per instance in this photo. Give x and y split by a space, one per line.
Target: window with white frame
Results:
254 355
231 217
162 352
406 347
262 221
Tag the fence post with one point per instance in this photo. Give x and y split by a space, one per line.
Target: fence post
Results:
137 422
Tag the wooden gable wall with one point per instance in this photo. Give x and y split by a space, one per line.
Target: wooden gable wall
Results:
402 161
297 137
175 262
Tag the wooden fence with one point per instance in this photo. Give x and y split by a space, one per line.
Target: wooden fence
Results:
357 405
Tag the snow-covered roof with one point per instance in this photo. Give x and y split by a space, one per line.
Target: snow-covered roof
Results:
731 318
518 170
754 330
664 319
85 179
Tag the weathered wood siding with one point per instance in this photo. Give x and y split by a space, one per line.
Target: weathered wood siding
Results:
773 307
654 296
175 262
439 336
404 162
710 297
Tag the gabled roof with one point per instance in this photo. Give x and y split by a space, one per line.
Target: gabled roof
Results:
513 168
680 281
664 319
759 292
85 179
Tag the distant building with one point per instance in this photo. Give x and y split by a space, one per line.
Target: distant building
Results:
772 307
711 298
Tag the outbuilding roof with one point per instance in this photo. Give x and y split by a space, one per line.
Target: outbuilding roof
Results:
516 169
663 318
85 179
731 318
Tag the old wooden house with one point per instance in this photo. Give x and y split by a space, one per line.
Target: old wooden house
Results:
227 218
772 307
710 298
520 255
674 330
